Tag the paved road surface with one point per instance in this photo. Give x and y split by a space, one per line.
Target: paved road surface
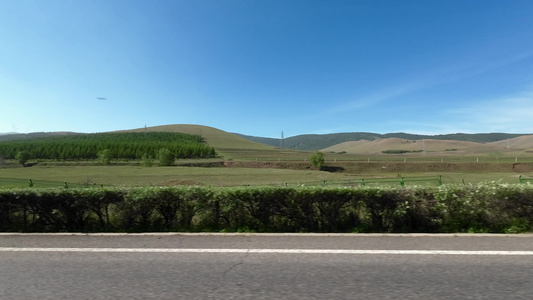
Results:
170 266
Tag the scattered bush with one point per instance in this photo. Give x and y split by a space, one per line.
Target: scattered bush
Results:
22 157
400 151
104 157
165 157
317 159
147 161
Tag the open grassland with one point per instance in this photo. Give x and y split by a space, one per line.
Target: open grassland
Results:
241 162
159 176
254 174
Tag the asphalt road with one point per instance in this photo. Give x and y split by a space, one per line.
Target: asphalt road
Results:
172 266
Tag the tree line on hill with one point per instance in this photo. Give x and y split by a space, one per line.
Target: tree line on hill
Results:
125 145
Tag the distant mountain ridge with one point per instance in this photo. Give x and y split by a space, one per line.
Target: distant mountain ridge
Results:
311 142
25 136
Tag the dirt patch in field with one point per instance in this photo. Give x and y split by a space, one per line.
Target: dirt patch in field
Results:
216 164
268 165
181 182
522 168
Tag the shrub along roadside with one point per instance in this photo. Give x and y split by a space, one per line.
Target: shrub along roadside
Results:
489 207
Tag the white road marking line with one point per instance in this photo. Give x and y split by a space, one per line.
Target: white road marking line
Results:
264 251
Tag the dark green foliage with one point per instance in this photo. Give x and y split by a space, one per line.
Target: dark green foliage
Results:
126 145
165 157
317 159
147 161
482 208
104 156
399 151
22 157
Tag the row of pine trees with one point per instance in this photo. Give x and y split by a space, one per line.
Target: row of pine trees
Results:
125 145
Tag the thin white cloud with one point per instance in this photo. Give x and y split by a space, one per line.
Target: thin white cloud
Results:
513 114
509 114
378 97
446 74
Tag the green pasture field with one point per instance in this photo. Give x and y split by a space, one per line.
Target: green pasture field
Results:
157 176
256 165
134 175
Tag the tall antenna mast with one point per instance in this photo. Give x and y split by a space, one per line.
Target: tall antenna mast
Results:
281 141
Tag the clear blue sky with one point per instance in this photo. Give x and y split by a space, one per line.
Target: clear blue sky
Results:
260 67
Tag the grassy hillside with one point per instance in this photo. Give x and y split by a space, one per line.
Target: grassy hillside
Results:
515 146
227 145
216 138
312 142
521 142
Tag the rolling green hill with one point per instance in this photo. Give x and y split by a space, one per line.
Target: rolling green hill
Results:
216 138
219 139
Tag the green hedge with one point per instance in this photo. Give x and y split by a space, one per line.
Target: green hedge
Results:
490 207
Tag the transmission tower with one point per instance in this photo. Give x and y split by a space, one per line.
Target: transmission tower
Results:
281 140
